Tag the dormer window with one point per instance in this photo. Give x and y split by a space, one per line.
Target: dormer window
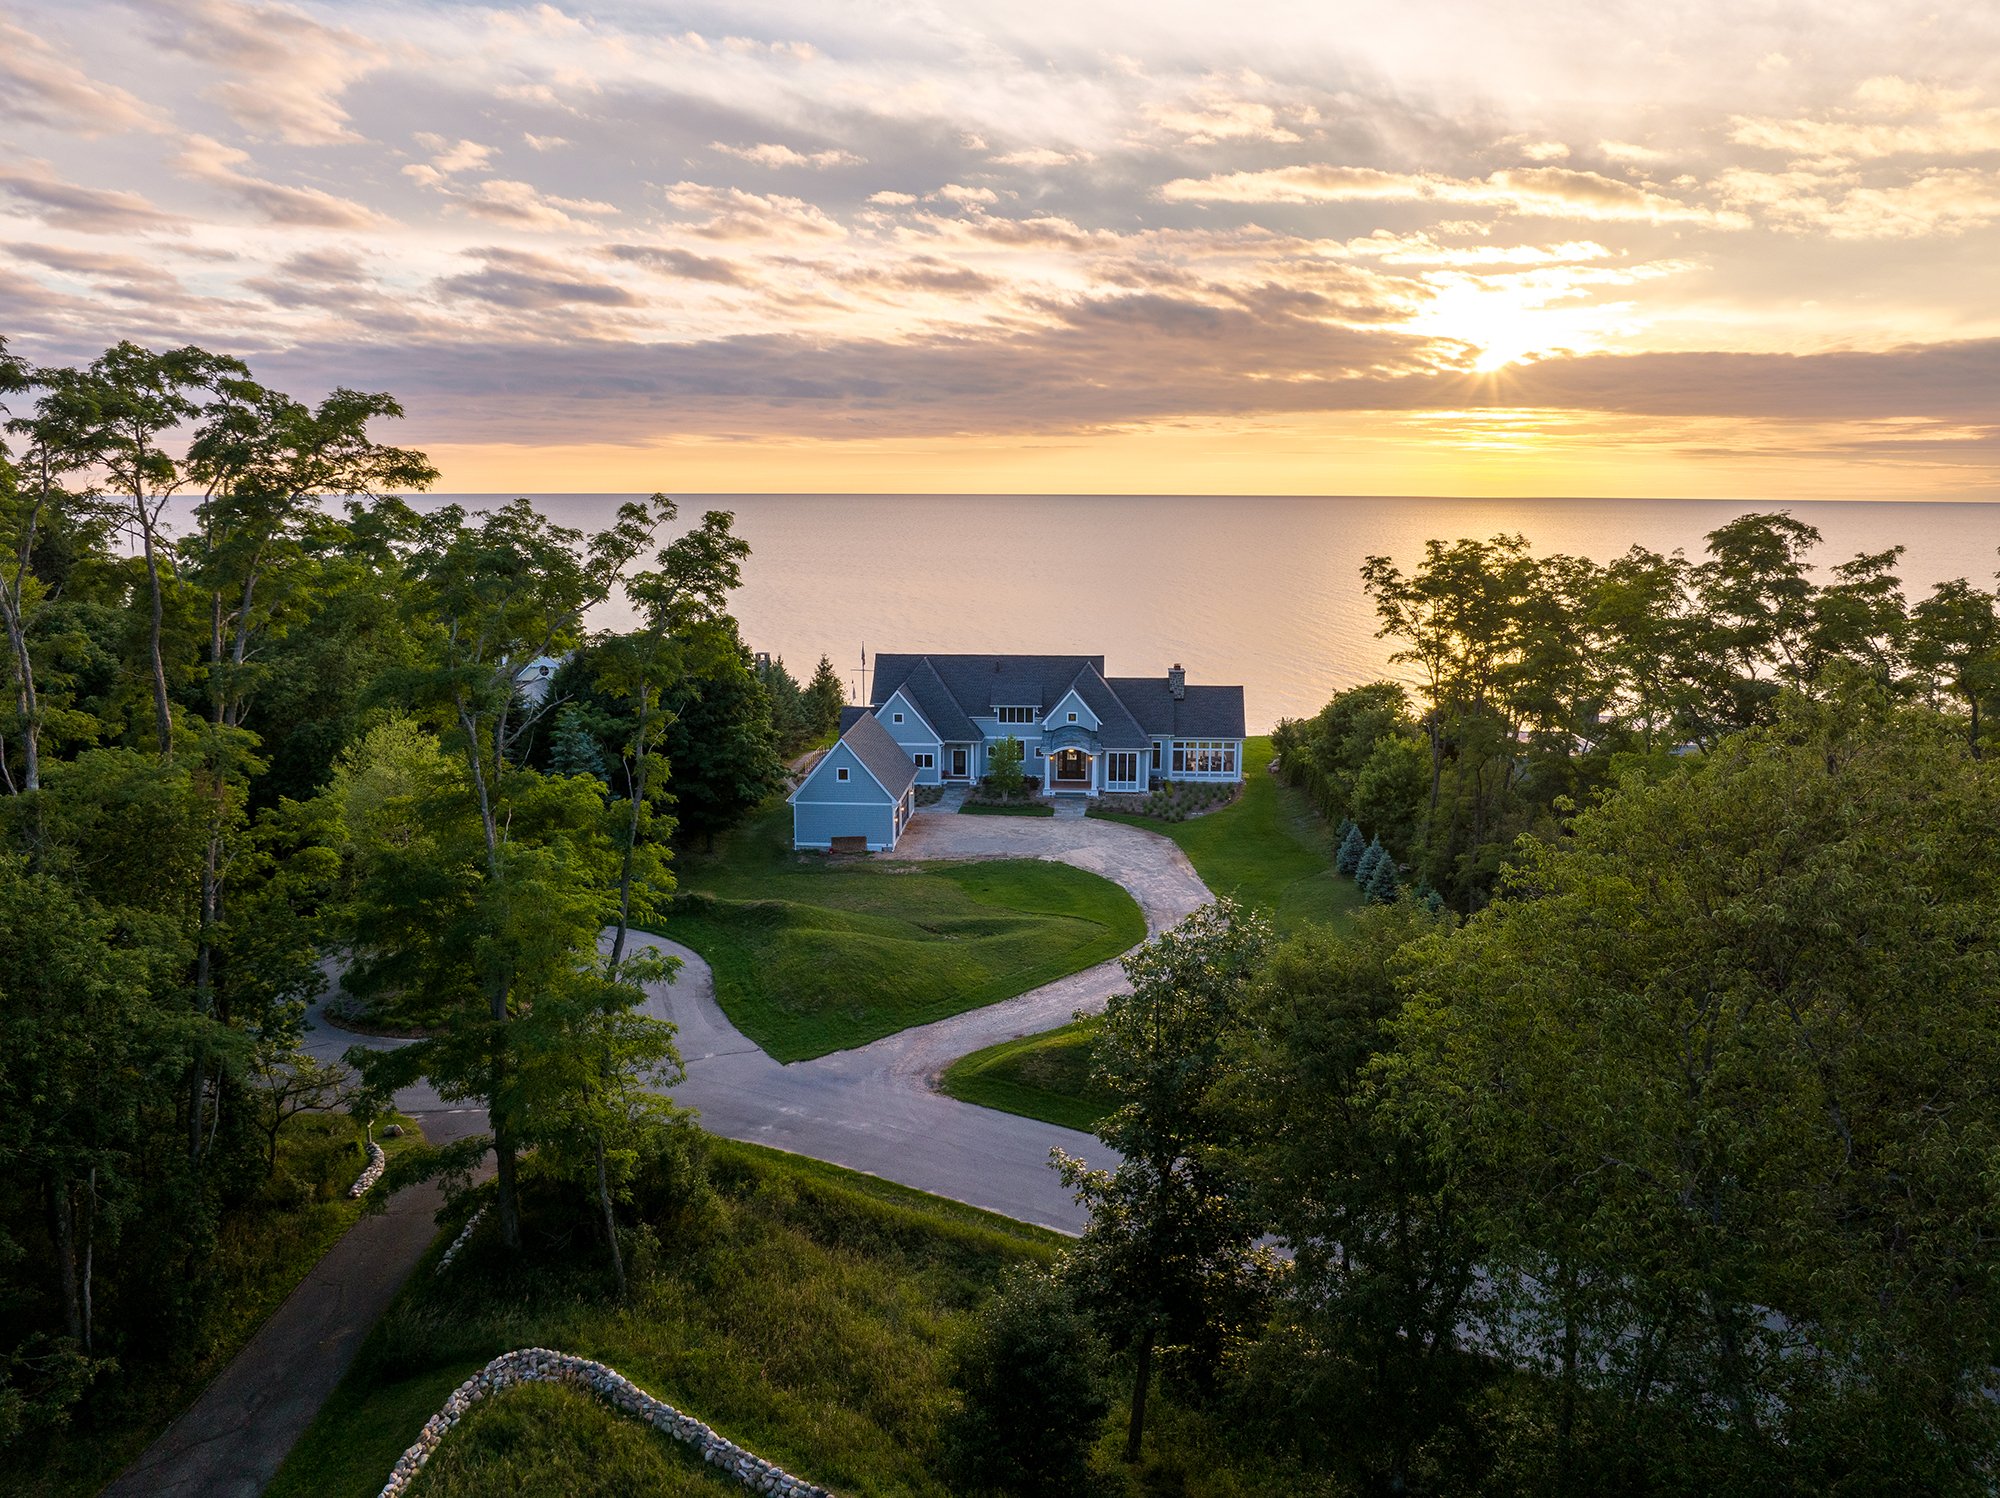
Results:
1015 714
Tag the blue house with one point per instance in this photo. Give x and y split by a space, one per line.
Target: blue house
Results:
1081 733
859 796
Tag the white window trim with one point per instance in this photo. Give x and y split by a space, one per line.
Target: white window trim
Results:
840 772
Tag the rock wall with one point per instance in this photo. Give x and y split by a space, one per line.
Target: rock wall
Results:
540 1365
377 1163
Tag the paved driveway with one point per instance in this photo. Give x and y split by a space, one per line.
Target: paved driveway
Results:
874 1108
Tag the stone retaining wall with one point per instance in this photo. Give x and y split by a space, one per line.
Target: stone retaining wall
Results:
445 1258
540 1365
377 1163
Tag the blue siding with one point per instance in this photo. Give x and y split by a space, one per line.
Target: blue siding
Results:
913 734
826 807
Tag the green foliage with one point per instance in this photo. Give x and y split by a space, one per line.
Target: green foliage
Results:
1029 1376
791 720
1743 1017
1371 859
1168 1262
1348 859
573 748
1003 768
723 745
1384 881
824 698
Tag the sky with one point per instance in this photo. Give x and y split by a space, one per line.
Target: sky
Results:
1714 248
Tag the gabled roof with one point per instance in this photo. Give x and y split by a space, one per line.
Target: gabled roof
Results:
880 755
1205 713
849 714
934 700
979 683
883 756
950 690
1117 728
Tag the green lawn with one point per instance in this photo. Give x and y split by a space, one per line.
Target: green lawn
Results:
814 954
805 1312
1268 848
1045 1076
264 1247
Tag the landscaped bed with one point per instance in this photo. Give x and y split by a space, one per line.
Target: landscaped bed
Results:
803 1311
813 954
1008 809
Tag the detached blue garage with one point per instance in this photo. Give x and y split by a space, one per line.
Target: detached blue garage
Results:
859 796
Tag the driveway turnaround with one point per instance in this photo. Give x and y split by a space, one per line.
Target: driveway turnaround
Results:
874 1108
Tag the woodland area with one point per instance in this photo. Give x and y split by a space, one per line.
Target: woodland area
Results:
1639 1137
258 709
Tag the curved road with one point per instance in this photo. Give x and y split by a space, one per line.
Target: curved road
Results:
874 1108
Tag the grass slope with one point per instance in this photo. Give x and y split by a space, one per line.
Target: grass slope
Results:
1268 848
813 954
263 1249
807 1312
1045 1076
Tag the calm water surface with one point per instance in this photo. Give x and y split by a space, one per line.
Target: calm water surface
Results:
1261 591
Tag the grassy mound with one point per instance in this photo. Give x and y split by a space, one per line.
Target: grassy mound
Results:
543 1438
1044 1076
813 954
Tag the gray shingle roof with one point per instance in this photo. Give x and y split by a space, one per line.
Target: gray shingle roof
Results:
924 687
1134 709
883 756
1118 729
1205 713
977 683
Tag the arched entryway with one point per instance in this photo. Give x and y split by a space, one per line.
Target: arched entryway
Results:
1069 770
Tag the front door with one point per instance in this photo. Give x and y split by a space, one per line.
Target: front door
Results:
1072 767
958 764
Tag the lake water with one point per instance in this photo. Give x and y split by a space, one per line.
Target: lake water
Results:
1262 591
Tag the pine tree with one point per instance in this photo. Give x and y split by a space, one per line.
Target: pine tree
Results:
825 697
1383 883
1346 826
1365 869
573 749
1348 859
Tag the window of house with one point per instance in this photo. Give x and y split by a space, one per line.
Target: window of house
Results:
1072 717
926 761
1038 751
1121 768
1156 754
1015 714
841 773
1204 757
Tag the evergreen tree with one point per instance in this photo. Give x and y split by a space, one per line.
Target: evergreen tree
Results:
1346 826
1364 870
721 747
824 699
573 749
1383 883
785 706
1348 859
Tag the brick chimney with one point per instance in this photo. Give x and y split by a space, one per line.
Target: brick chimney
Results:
1177 681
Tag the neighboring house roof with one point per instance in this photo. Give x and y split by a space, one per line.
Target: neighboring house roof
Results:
849 715
950 690
1204 713
881 755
